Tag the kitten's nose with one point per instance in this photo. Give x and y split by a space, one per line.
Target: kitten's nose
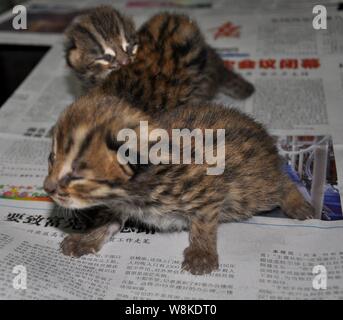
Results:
49 186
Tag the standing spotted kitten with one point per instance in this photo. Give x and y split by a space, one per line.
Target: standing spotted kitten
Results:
84 172
165 64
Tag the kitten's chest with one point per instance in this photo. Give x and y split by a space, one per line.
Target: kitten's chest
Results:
159 217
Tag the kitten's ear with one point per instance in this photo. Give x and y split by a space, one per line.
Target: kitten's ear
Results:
74 34
77 19
69 33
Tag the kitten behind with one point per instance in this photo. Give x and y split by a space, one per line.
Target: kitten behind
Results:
167 56
99 42
85 171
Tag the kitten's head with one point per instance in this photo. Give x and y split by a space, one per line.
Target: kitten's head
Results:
99 42
84 170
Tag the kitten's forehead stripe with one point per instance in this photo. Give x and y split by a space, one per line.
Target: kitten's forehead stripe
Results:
120 20
54 145
78 138
69 144
89 34
101 42
84 144
124 42
104 23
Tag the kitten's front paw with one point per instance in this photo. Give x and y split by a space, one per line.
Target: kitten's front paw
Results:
198 261
76 245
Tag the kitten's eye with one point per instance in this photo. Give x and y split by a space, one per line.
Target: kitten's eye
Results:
131 48
75 177
105 60
64 182
108 57
51 158
76 167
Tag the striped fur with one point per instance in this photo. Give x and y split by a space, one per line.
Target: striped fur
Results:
85 172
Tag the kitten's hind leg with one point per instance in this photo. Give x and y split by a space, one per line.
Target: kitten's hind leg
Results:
79 244
201 256
293 204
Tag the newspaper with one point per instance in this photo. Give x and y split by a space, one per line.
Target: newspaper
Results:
273 260
298 75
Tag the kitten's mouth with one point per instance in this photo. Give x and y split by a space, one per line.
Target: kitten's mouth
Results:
69 203
62 201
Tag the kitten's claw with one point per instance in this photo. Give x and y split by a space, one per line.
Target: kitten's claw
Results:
302 212
198 262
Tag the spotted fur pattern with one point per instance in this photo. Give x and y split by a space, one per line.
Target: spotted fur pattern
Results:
173 64
85 172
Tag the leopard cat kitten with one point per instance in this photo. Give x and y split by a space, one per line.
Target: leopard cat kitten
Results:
171 66
98 42
84 172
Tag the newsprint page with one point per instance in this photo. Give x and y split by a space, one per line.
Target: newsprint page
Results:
297 72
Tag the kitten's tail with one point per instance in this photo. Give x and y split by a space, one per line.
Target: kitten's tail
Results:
230 83
293 204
